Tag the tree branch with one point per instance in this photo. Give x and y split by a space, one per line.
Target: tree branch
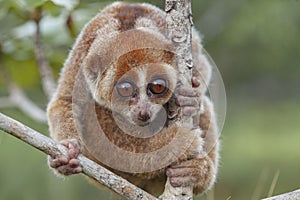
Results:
71 26
21 101
17 98
5 102
90 168
294 195
46 74
179 30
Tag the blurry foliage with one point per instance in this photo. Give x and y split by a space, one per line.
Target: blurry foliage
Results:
254 43
263 41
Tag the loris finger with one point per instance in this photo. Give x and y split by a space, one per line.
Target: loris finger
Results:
77 170
195 82
73 147
179 172
57 162
73 153
74 163
188 91
190 111
185 164
187 101
67 170
182 181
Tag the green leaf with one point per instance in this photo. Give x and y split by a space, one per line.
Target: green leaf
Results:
68 4
4 5
52 8
28 5
7 23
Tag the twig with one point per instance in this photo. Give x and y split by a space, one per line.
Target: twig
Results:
5 102
71 26
274 182
294 195
179 30
17 98
90 168
21 101
46 74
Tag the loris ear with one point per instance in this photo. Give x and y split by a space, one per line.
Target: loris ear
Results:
100 78
92 67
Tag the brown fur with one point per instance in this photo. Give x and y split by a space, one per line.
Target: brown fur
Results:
104 56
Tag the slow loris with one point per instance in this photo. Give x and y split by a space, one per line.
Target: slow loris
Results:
117 81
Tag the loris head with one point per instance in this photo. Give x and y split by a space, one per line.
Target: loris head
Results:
137 85
139 94
133 78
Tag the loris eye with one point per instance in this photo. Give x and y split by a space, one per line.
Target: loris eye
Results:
126 89
158 86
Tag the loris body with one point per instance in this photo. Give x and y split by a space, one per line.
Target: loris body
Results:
125 62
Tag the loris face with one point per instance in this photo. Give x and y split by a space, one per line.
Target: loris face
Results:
132 73
139 94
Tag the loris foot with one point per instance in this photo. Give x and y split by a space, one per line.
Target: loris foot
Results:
67 165
197 172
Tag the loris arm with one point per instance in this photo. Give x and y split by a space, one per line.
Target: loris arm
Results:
61 121
60 112
199 170
62 128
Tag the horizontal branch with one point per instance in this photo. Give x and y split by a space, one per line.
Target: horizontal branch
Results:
90 168
294 195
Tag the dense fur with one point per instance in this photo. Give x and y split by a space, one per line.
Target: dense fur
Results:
104 55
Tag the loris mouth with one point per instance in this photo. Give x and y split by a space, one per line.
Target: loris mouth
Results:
142 123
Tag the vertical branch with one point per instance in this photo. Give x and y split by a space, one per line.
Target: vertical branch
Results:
179 30
46 74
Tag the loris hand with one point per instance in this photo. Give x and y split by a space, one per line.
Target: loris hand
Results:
67 165
197 172
189 98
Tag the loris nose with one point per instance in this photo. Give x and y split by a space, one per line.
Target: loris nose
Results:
144 116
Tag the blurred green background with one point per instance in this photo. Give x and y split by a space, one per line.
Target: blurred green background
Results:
256 47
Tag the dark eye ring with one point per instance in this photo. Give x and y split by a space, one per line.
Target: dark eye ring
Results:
158 87
125 89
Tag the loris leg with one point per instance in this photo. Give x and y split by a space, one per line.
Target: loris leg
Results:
199 171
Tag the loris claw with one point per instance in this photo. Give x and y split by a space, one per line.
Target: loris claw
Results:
67 165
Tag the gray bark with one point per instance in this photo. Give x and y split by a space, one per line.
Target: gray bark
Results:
179 29
294 195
